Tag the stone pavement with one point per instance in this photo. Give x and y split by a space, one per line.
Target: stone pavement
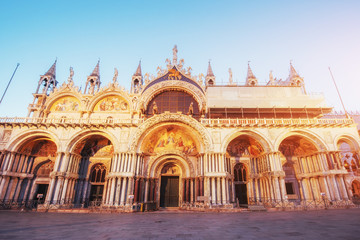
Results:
322 224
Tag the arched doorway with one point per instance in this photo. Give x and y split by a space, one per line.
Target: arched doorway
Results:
97 181
299 156
42 180
96 152
169 186
240 178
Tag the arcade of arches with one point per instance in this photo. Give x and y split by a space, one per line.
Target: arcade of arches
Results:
171 171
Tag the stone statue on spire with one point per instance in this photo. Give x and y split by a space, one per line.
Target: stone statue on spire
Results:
230 77
70 79
175 51
115 75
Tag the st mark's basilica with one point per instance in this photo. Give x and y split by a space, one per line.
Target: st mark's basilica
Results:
177 140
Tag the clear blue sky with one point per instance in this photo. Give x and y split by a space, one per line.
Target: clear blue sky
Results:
313 34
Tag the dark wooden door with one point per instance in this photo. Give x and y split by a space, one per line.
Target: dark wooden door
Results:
96 193
169 191
241 193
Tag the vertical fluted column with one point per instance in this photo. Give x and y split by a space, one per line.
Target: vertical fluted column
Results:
187 190
146 190
64 190
136 191
335 188
51 189
343 188
112 191
218 192
191 190
223 190
283 189
213 194
117 191
227 186
279 194
123 188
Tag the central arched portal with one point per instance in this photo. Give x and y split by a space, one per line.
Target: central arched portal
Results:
169 186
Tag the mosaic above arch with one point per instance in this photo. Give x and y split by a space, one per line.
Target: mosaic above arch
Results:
244 146
295 146
66 104
39 148
95 146
170 137
111 104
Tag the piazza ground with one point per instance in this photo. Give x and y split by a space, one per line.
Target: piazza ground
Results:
323 224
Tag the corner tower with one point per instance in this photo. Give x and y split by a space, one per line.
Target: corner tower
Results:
93 81
137 80
48 83
210 78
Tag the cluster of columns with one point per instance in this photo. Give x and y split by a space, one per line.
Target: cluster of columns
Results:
266 180
121 182
151 184
117 190
330 183
64 178
220 189
217 183
15 178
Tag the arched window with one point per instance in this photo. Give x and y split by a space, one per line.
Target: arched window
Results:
173 101
240 173
109 120
98 173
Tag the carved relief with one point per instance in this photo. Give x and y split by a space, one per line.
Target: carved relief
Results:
6 136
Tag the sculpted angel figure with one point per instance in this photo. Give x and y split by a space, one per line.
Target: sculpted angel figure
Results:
146 77
181 63
168 63
159 71
175 51
188 71
201 77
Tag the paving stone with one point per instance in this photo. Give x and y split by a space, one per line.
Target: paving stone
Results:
325 224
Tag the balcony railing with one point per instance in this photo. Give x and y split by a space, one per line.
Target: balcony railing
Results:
246 122
243 122
67 121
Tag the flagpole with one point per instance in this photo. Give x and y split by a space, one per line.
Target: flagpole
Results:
342 103
9 82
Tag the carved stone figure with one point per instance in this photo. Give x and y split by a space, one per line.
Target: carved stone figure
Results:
168 63
155 108
70 79
191 108
115 75
175 55
188 72
230 77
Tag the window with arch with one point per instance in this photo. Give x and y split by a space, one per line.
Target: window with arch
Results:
173 101
109 120
98 173
239 173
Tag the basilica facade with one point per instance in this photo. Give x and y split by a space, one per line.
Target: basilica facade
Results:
178 140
